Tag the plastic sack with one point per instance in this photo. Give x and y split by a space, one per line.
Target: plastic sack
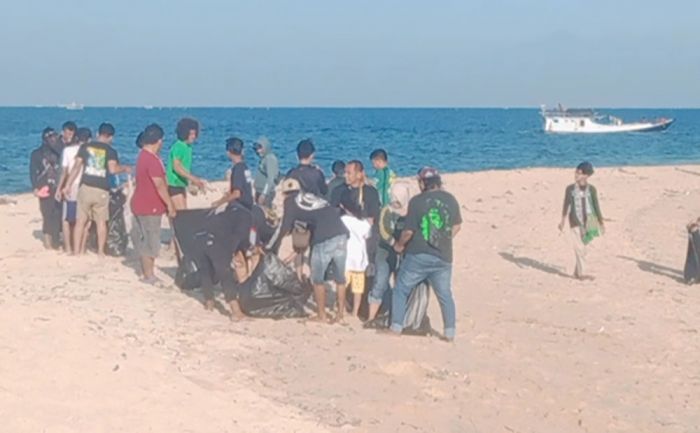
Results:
187 276
691 272
416 320
273 291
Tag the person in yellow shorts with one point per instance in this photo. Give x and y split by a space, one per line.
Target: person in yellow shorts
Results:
357 258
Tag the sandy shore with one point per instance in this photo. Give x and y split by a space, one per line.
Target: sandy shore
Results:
85 348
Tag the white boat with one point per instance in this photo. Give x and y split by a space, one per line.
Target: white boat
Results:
578 121
73 106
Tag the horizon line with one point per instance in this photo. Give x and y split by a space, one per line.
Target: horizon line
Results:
380 107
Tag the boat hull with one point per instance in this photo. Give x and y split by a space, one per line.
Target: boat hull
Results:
588 126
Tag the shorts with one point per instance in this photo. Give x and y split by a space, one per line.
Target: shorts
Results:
93 204
70 211
145 235
329 252
356 280
176 190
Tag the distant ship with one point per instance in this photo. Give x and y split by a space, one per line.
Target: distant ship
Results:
585 121
73 106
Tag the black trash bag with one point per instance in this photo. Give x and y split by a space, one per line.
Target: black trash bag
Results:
273 291
691 272
416 320
117 238
187 276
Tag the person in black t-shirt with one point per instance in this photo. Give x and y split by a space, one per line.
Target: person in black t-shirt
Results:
309 176
433 220
328 241
97 160
337 184
241 189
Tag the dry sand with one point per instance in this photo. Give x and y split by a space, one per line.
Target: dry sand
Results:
85 348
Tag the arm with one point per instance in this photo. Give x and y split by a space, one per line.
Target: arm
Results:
565 208
283 229
322 186
61 183
162 189
180 169
405 238
227 198
596 205
77 168
456 229
116 168
34 170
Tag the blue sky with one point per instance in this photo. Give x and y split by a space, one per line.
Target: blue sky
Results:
351 53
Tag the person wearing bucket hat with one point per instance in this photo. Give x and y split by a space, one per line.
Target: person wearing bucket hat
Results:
582 209
433 220
268 174
44 169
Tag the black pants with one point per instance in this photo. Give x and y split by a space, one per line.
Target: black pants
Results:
51 213
215 266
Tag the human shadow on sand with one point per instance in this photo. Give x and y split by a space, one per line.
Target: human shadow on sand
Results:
526 262
656 269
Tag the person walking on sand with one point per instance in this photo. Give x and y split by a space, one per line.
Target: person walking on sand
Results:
582 209
268 173
70 200
95 160
149 202
433 220
44 168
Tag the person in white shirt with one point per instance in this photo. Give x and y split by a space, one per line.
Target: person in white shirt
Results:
357 258
70 200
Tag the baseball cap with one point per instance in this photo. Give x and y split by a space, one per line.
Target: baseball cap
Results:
428 173
47 132
305 148
290 185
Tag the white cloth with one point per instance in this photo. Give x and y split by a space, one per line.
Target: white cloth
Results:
67 164
357 259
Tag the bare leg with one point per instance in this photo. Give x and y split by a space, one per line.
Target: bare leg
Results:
373 310
180 203
320 296
83 242
236 312
356 300
48 241
101 237
67 237
342 289
148 266
78 233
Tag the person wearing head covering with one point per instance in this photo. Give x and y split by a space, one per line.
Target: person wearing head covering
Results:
582 209
268 174
433 220
44 169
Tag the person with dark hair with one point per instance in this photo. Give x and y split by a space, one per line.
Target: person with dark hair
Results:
44 168
70 200
337 182
357 258
68 136
383 175
150 201
268 173
95 161
241 182
582 209
433 220
308 174
179 171
327 238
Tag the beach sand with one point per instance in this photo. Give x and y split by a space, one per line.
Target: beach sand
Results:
84 347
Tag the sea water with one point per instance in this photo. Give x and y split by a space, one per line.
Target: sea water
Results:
449 139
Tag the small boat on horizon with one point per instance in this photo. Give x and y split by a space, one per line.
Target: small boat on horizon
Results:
586 121
73 106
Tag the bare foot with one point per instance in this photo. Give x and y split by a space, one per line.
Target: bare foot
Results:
319 319
389 332
238 317
209 305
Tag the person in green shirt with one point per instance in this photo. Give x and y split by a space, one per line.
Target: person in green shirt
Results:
383 176
179 172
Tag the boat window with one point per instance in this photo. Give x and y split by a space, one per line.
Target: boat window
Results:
583 123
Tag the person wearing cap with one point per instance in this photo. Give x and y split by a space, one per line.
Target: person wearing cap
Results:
328 240
337 183
241 188
310 177
94 162
149 202
432 221
582 209
268 173
44 169
70 200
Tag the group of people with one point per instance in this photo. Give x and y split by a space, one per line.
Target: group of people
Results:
347 231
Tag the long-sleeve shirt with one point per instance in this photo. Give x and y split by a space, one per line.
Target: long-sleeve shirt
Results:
579 203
